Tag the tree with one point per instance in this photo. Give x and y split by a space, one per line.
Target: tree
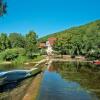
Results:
4 42
60 46
3 7
17 40
31 44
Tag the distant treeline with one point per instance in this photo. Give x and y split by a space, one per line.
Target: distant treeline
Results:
15 44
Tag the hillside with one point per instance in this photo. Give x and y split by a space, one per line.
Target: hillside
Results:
90 28
83 40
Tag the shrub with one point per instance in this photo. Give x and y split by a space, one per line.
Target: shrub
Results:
93 56
11 54
20 60
32 55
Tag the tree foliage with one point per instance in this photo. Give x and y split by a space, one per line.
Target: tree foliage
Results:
31 41
4 42
12 44
11 54
3 7
17 40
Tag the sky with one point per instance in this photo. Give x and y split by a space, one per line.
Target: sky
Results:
47 16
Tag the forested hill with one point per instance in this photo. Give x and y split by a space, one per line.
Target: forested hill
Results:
89 29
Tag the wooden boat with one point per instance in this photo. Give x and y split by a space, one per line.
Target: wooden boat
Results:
16 75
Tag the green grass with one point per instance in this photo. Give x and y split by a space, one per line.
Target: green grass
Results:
20 60
23 59
38 58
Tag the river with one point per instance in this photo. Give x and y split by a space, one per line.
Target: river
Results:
70 81
61 81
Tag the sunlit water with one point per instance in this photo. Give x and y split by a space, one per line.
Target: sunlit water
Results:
63 81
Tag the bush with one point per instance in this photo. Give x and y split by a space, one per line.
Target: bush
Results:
38 58
32 55
11 54
93 56
20 60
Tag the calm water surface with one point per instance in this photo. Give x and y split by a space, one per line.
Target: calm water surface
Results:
61 81
70 81
7 67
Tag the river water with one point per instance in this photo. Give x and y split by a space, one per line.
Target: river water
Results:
70 81
61 81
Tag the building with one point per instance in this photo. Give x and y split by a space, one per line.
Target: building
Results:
42 45
52 40
46 47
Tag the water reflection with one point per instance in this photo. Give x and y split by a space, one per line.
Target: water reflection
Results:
86 74
11 66
6 67
15 90
70 81
9 86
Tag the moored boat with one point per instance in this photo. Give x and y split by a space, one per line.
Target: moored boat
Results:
96 62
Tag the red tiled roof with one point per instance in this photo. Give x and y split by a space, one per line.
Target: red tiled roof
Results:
52 40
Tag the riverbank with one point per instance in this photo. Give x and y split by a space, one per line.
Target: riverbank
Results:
10 65
42 57
68 58
5 62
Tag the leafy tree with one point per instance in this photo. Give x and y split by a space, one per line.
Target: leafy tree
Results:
12 54
31 44
4 42
17 40
60 47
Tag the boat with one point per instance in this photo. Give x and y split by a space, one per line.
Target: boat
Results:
96 62
16 75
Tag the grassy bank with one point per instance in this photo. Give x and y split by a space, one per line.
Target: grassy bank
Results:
21 62
25 59
18 56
